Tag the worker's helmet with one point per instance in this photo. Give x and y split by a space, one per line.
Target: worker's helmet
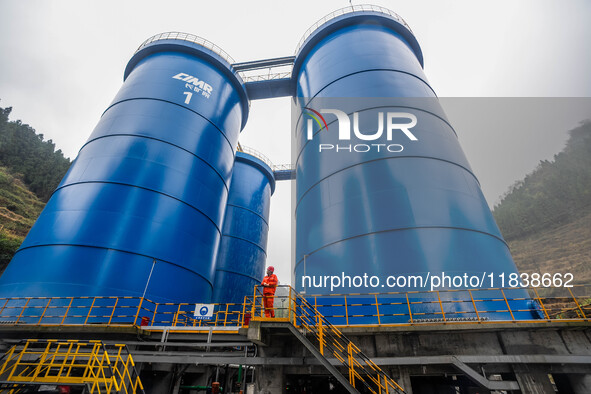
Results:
271 268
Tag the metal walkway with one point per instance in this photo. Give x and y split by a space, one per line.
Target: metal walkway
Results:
274 82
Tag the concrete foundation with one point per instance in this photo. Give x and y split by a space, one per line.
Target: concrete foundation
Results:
545 357
269 380
514 358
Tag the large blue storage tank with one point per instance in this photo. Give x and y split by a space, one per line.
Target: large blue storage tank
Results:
243 248
407 207
141 207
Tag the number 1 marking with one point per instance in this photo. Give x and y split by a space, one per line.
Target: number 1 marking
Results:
189 95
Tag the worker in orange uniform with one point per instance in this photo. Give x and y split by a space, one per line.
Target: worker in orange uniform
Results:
269 286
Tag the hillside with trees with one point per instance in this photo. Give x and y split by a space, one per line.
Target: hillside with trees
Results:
27 155
30 170
546 217
19 208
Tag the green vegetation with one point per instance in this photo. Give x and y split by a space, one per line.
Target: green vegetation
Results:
19 208
30 170
25 153
554 194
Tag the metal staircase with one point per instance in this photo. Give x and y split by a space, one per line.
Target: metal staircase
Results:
92 365
324 340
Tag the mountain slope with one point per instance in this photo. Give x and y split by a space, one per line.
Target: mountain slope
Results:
554 194
546 217
19 208
564 249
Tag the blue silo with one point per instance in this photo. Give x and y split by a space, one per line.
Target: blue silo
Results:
141 207
381 202
243 248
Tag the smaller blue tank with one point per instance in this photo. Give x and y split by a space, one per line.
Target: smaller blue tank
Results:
243 247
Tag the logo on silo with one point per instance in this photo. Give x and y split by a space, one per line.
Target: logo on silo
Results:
194 85
317 117
392 123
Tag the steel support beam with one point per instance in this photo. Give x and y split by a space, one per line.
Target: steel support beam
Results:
265 63
270 88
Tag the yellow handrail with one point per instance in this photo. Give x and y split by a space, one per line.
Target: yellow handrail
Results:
101 368
476 306
330 340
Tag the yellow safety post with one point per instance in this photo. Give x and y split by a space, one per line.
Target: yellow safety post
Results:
226 315
508 307
541 304
577 302
474 303
23 310
441 305
254 302
67 310
90 310
137 313
346 311
321 335
113 311
378 309
44 310
408 304
4 306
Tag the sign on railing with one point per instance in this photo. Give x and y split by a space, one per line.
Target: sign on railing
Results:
203 311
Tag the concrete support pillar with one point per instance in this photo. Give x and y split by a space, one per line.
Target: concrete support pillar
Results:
532 379
402 376
269 380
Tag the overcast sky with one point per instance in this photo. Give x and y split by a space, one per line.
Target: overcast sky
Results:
62 62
